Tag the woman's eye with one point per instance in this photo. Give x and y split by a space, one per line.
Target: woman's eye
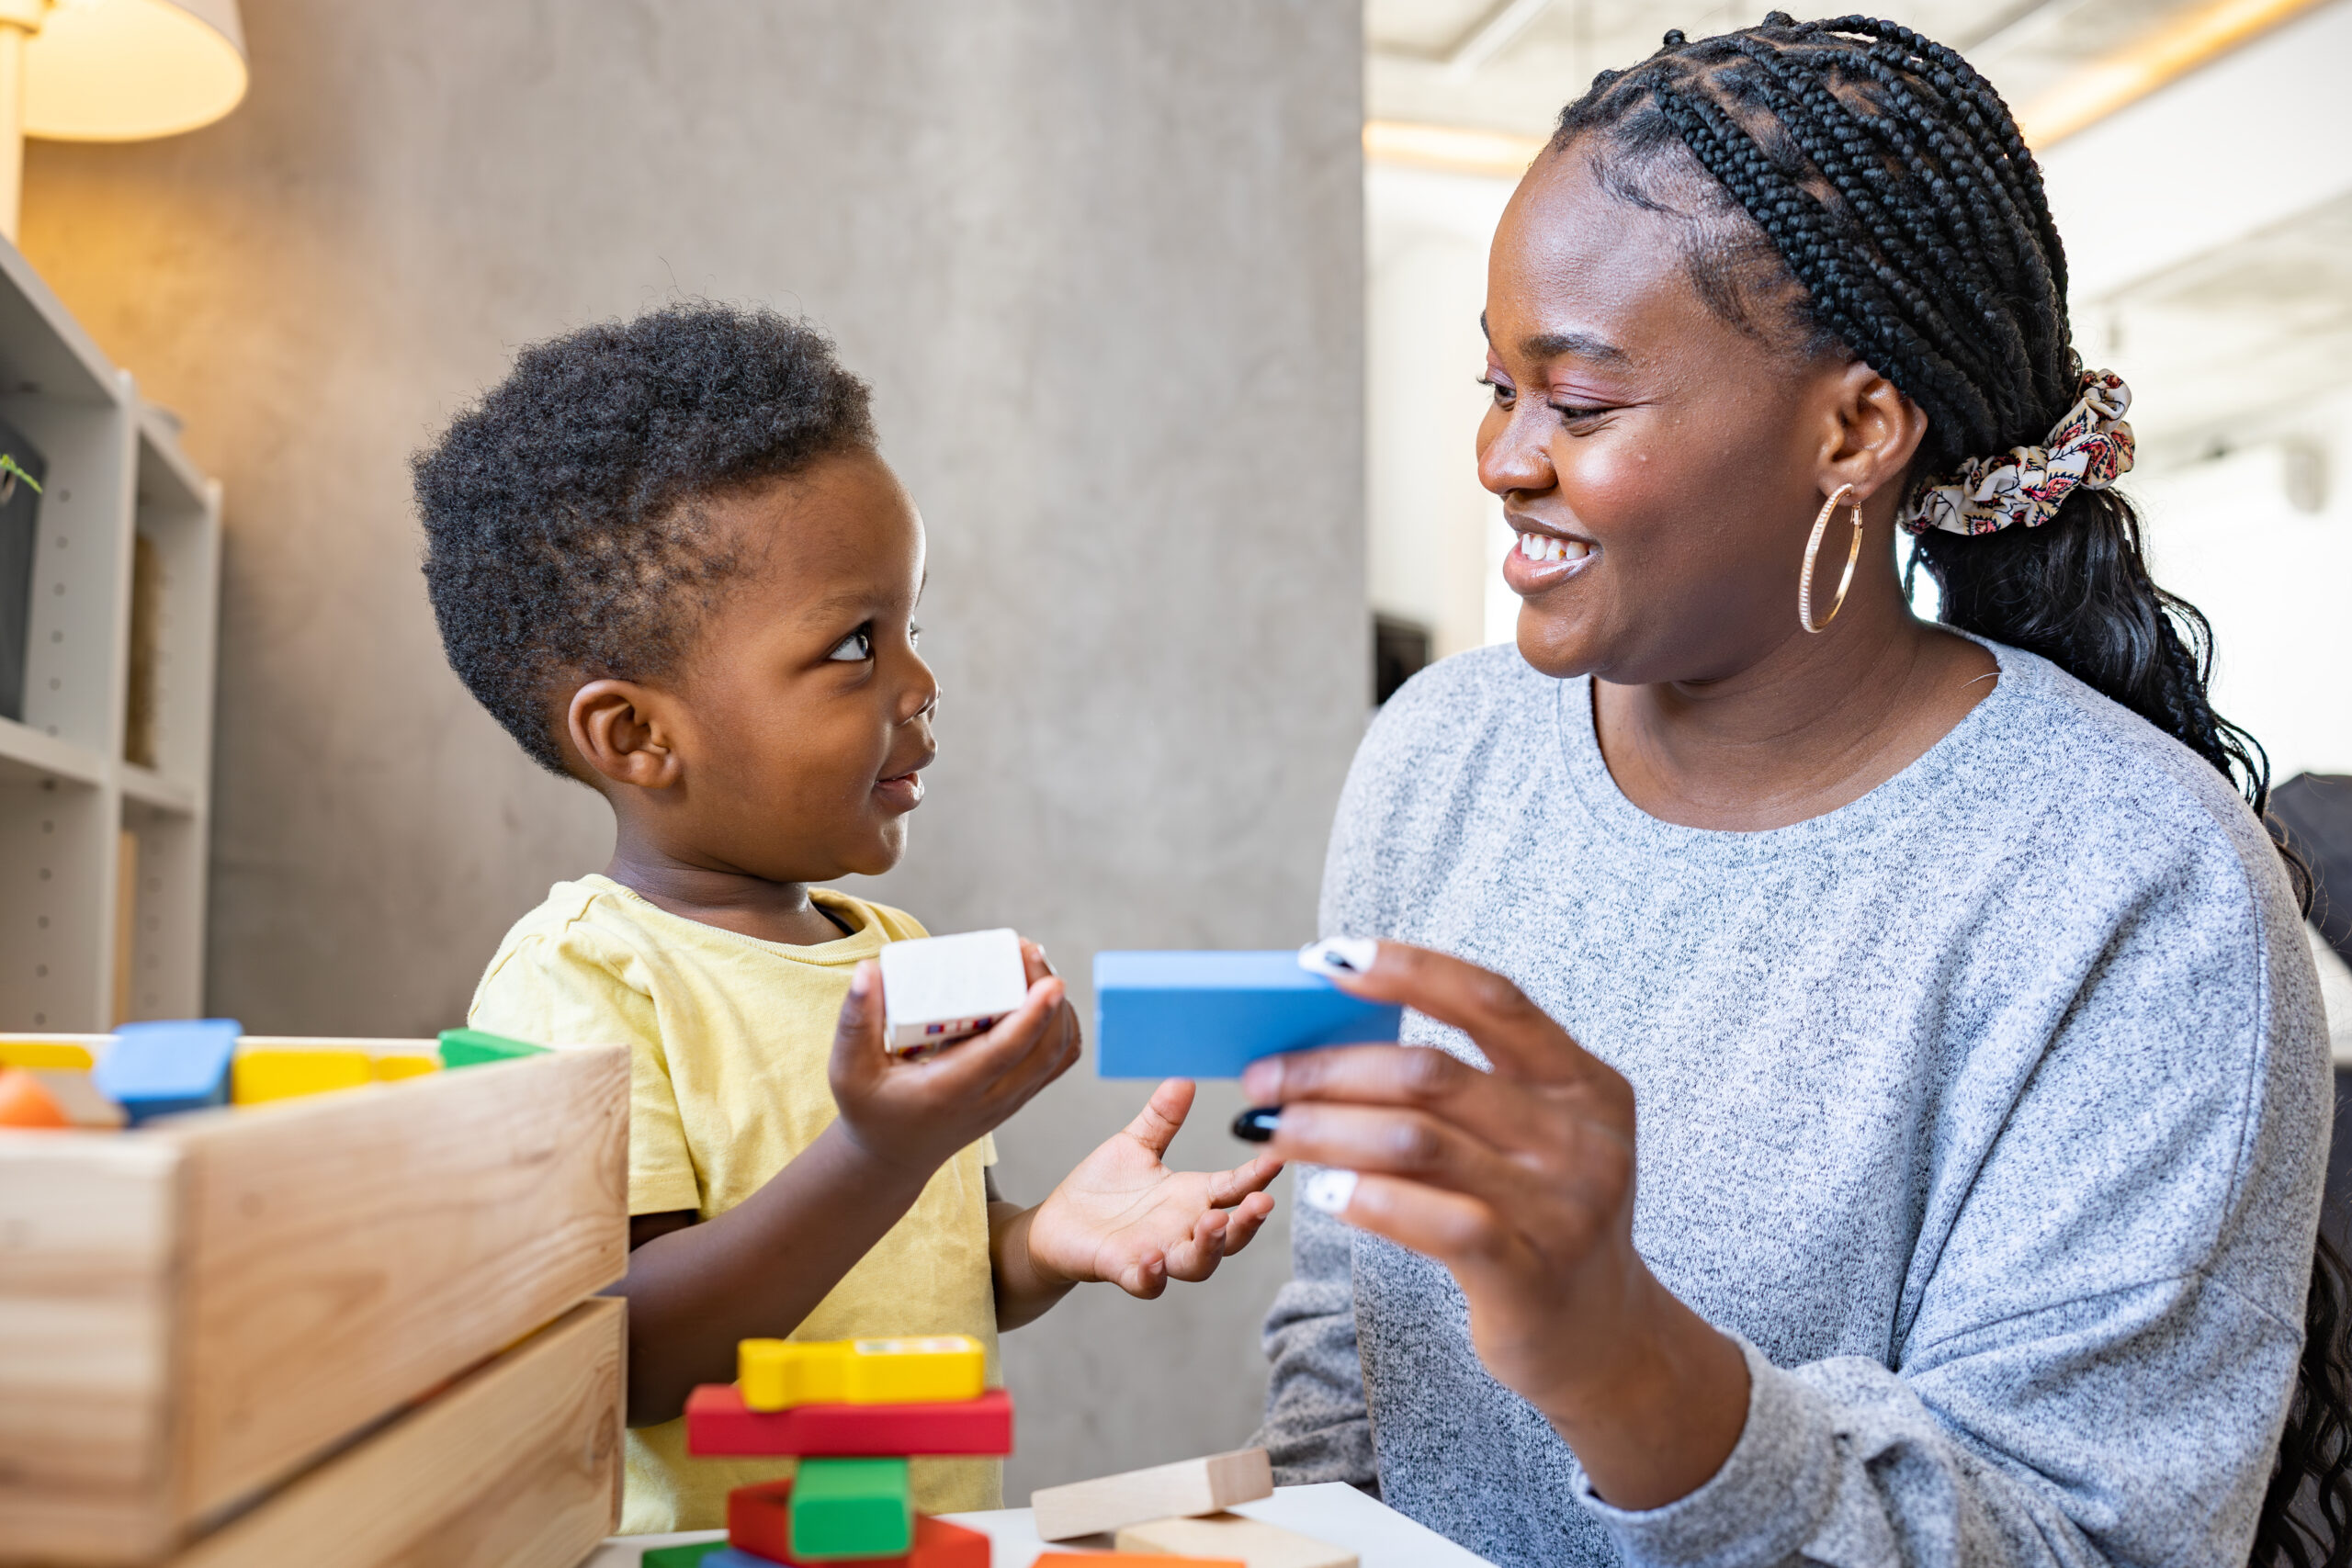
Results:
855 648
1571 412
1504 391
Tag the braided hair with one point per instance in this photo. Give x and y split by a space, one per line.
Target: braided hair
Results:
1851 186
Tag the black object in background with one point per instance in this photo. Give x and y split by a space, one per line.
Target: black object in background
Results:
2316 811
1400 650
19 527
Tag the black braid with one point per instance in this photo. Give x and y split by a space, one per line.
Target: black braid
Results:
1871 184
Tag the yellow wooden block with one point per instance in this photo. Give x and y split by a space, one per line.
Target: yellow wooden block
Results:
269 1074
52 1053
777 1374
403 1065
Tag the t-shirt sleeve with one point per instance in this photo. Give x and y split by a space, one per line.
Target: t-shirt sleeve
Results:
551 993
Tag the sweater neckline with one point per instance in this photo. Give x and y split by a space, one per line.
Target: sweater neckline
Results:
1891 804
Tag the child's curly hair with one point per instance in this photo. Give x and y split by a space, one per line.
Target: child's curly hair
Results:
563 534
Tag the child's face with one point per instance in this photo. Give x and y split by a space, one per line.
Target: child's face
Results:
802 714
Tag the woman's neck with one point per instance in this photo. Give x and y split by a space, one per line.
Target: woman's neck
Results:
1814 724
732 900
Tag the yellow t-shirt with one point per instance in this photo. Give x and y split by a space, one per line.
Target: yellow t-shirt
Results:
728 1038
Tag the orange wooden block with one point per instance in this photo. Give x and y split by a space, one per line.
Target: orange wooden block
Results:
25 1103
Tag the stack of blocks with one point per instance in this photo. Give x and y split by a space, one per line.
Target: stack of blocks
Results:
853 1413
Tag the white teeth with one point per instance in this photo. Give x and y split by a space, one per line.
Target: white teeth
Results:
1542 548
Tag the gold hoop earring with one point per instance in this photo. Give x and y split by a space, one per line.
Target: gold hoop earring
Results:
1813 548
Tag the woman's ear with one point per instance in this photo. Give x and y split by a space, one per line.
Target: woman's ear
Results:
1873 433
624 731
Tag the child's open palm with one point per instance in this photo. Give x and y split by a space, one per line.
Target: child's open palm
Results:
1125 1217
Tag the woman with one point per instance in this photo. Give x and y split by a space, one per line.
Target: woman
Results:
1904 1114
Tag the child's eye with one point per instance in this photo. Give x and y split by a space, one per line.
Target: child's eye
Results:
914 635
855 648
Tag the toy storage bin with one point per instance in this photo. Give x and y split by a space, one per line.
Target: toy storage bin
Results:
193 1312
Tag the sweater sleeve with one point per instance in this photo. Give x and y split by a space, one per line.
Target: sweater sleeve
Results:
1318 1428
2104 1317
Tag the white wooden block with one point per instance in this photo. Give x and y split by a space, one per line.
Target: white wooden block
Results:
937 991
1188 1486
1233 1537
79 1097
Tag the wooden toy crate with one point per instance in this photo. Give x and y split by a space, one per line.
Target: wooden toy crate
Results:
192 1312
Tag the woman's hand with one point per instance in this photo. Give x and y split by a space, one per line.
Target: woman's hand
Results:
1123 1216
1520 1181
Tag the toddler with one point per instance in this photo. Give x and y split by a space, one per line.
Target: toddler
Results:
666 556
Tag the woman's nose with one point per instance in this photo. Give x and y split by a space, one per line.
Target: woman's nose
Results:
1512 456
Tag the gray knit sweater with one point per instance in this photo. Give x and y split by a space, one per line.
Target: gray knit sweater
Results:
1989 1113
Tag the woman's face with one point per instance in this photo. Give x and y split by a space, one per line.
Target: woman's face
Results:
1671 459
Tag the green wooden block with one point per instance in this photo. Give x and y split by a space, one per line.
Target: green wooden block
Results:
850 1507
472 1047
687 1556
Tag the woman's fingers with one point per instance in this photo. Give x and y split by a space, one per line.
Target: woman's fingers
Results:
1467 1234
1403 1142
1520 1038
1412 1076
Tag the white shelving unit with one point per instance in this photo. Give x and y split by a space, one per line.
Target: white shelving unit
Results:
102 859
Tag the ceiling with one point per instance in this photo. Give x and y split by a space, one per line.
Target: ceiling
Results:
1510 65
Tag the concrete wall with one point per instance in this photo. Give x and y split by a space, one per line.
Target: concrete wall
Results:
1102 264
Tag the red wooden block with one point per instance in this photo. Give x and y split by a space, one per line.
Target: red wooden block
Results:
716 1424
759 1520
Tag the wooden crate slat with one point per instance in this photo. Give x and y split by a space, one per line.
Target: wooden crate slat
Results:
515 1466
340 1245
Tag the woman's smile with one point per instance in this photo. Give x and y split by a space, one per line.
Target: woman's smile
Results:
1542 560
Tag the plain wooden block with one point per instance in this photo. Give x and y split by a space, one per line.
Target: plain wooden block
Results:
79 1098
1231 1536
1189 1486
1126 1560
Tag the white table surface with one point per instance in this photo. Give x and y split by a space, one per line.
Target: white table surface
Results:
1333 1511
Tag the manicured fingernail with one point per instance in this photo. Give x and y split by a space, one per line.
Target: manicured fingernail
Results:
1339 956
1328 1190
1256 1126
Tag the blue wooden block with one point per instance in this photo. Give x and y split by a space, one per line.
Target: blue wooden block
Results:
736 1557
154 1069
1208 1015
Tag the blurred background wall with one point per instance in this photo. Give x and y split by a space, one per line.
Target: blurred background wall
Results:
1103 264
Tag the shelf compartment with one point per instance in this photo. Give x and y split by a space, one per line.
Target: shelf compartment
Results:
56 916
160 946
174 599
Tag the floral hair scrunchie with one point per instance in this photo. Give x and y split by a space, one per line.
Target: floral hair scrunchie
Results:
2090 447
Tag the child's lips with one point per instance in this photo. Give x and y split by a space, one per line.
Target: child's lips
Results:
900 792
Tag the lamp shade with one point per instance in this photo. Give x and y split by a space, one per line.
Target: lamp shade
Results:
126 70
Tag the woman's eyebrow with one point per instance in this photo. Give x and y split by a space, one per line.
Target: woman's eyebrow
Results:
1566 346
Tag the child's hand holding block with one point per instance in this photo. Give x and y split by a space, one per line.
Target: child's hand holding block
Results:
1208 1015
937 991
778 1374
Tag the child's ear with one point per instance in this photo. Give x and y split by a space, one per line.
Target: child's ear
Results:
619 729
